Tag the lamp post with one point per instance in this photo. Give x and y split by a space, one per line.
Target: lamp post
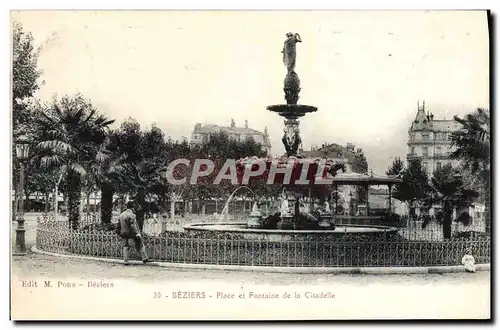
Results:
22 153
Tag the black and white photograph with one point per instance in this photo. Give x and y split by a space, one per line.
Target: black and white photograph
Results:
250 165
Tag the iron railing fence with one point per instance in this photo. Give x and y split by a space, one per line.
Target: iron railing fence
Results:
176 246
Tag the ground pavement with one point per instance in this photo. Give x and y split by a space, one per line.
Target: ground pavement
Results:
85 289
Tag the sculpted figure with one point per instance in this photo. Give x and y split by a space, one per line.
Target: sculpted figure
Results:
291 139
290 50
285 209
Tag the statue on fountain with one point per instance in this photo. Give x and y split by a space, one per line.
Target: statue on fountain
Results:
291 139
290 50
292 81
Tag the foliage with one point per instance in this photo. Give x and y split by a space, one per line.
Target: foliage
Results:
396 168
447 184
71 131
449 190
25 82
142 155
25 73
472 144
415 185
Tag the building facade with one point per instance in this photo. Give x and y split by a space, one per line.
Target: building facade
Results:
201 134
354 158
430 140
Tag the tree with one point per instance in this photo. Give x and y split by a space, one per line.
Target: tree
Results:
144 156
449 189
25 74
106 173
25 82
72 131
472 144
396 168
415 185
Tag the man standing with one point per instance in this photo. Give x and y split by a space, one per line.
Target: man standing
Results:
128 230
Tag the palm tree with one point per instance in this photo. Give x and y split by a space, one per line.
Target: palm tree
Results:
71 131
449 189
472 144
106 173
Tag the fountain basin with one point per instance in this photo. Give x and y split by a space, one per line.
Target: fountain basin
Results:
292 111
275 235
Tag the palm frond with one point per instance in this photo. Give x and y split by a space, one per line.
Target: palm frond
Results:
77 168
52 161
56 146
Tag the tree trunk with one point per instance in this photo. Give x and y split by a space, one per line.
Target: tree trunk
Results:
74 189
56 202
27 205
106 203
140 199
447 214
47 203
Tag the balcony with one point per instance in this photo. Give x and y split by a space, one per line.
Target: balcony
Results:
420 141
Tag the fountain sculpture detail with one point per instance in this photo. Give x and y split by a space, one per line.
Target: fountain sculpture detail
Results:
291 111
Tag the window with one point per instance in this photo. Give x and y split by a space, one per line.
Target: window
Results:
412 150
438 151
438 165
425 151
425 136
424 165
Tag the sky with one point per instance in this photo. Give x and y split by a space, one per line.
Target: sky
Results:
364 70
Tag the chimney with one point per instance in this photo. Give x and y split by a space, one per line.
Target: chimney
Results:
232 123
246 123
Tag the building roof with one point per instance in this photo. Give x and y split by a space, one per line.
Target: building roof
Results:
353 178
210 128
446 125
426 122
331 150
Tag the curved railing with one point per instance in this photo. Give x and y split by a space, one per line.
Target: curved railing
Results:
236 249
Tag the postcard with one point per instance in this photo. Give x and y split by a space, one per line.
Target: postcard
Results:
250 165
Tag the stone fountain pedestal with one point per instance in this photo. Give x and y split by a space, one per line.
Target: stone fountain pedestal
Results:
254 220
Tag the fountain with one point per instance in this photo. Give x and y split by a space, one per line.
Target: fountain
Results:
225 210
303 220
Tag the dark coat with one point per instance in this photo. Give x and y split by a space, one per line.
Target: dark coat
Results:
127 225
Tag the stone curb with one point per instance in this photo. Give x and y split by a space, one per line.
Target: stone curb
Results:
291 270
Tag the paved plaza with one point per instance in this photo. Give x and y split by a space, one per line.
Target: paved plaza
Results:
450 295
